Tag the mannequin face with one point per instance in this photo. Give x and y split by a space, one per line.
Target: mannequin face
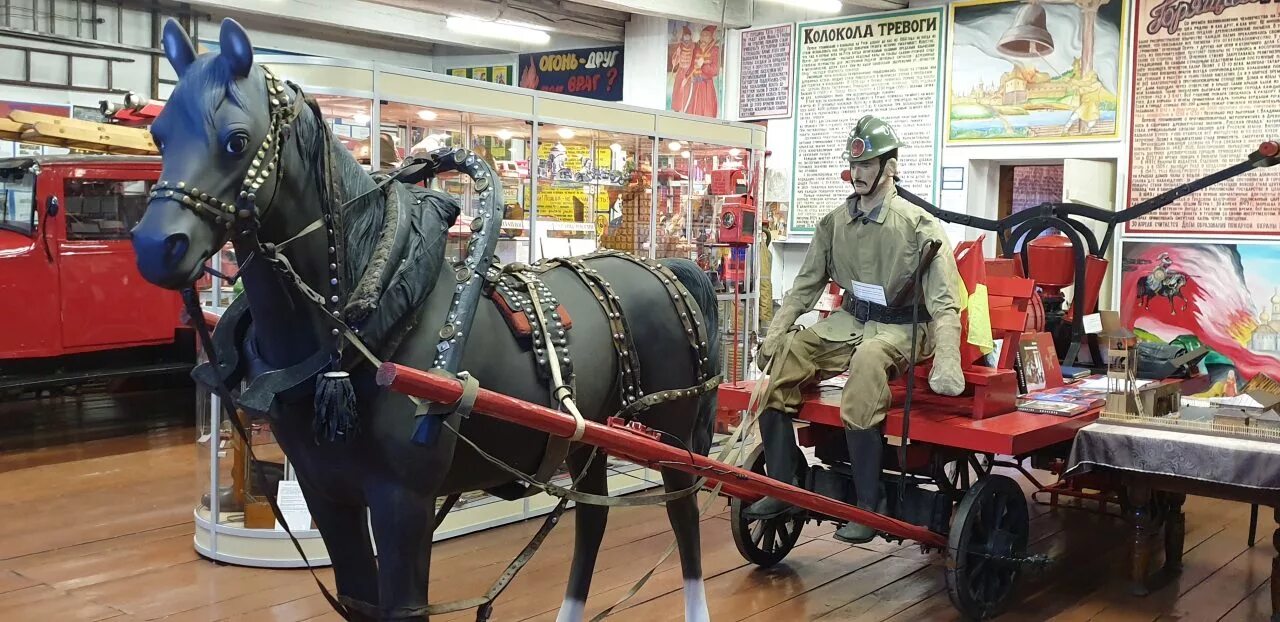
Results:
864 173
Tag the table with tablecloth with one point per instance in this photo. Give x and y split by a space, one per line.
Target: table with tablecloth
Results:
1159 466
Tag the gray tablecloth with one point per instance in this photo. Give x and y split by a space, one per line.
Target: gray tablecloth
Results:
1222 460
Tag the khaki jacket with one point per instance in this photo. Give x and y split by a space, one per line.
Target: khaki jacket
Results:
881 246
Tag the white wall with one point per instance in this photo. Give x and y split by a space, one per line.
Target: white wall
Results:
644 70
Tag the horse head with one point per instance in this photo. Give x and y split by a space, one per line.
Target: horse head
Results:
220 138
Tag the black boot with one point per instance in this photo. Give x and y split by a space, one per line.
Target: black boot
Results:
782 459
866 447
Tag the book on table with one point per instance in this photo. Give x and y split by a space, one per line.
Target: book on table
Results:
1050 407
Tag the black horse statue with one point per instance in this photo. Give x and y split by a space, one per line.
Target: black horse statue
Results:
330 256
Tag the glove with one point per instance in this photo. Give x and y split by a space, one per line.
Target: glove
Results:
778 330
946 378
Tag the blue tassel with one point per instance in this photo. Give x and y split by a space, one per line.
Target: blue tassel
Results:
335 405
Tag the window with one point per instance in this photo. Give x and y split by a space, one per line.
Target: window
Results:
104 209
17 200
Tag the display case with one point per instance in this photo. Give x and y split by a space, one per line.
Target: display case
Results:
233 521
577 176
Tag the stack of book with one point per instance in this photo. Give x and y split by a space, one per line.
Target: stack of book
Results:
1067 401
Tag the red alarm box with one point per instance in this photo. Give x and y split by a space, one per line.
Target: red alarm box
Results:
737 221
727 181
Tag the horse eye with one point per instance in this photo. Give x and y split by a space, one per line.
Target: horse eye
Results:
237 143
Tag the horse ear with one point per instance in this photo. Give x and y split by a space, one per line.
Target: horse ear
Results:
177 46
236 51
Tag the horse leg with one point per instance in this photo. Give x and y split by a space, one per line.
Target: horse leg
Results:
588 533
683 514
402 527
345 529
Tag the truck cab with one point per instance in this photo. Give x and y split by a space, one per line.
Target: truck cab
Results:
72 303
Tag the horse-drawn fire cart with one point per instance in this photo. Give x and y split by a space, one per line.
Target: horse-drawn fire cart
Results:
943 492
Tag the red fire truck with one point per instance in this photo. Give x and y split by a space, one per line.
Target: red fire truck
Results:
73 306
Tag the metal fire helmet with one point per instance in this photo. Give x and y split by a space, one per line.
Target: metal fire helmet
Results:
869 139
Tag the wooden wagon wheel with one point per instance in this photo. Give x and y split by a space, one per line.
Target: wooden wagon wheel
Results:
763 542
987 543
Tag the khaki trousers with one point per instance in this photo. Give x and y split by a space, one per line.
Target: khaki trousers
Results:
811 359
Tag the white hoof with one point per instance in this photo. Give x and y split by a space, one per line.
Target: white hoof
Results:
695 601
571 610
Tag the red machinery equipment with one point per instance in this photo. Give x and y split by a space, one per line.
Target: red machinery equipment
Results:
73 304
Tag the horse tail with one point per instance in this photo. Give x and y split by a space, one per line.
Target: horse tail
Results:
704 293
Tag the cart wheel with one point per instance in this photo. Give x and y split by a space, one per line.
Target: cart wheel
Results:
763 542
988 539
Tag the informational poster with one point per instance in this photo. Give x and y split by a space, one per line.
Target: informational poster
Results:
588 72
694 61
883 64
1224 296
497 74
764 68
1024 71
1204 98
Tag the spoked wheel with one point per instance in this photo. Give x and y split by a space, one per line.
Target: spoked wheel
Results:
763 542
987 543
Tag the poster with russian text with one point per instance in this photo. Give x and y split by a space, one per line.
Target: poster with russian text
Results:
764 72
1204 98
884 64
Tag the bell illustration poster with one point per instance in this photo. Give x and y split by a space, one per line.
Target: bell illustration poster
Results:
1223 296
1048 70
695 81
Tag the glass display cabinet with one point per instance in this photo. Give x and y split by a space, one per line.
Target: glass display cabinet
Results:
577 176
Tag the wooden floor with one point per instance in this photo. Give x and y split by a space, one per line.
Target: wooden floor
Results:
102 531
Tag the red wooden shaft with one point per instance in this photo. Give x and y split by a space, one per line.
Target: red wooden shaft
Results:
641 449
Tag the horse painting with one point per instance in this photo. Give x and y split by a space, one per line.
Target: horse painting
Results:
1170 287
330 253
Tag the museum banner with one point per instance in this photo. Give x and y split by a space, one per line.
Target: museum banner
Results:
595 73
1204 98
883 64
764 67
1023 71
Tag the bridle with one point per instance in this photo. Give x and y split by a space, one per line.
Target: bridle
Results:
242 215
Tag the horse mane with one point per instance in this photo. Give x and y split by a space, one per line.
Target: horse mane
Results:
398 230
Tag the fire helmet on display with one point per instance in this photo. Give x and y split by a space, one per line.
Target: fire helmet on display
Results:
870 138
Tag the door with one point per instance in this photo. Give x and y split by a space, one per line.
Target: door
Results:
105 301
1093 183
29 304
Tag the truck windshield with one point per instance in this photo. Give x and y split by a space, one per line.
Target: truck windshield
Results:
17 200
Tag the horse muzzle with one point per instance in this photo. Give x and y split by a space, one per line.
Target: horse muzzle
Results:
171 245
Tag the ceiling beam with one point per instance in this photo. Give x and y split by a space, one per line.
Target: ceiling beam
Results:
736 13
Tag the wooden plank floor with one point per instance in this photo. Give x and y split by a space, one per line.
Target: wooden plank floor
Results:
102 531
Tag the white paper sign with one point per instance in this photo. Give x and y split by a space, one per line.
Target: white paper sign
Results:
293 506
869 293
1093 323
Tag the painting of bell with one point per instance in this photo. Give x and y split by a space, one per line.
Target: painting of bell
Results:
1027 37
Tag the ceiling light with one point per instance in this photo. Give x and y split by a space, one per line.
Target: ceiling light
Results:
615 147
817 6
735 152
505 134
497 30
674 145
427 115
565 133
360 118
684 154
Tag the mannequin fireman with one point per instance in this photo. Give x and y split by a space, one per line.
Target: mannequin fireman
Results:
875 239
